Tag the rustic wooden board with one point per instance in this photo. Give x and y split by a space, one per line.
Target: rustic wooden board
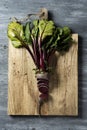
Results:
22 87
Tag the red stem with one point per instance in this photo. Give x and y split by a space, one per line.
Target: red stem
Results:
41 54
28 49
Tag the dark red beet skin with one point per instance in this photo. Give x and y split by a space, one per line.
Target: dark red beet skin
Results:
43 89
43 85
44 96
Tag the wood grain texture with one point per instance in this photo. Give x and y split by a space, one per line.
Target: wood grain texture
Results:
63 83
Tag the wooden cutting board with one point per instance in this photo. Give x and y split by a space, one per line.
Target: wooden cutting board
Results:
63 83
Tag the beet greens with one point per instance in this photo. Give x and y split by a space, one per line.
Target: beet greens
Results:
44 38
41 38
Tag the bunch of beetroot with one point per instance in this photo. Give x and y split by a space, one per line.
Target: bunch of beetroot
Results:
41 38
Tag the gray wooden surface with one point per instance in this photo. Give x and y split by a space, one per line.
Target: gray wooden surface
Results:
65 12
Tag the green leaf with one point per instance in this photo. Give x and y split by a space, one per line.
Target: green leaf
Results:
60 31
60 40
16 44
66 31
54 38
67 39
28 33
15 34
35 28
46 28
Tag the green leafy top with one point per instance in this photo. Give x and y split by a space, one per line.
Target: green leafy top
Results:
16 34
44 37
46 28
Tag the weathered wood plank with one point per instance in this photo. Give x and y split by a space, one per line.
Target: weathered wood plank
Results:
23 92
